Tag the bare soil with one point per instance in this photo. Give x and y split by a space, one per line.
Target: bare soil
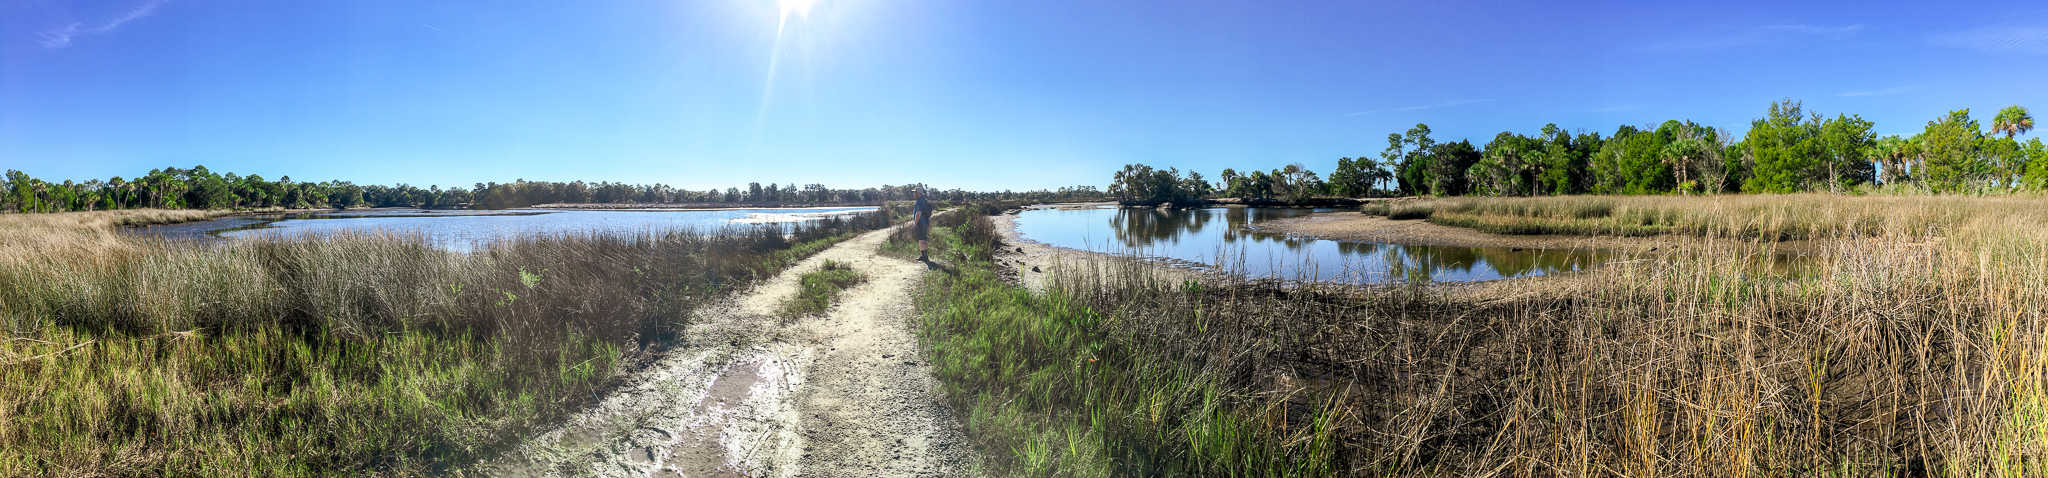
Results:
751 393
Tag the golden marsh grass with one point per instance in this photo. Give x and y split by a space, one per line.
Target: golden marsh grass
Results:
354 354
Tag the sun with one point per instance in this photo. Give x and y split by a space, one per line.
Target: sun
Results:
801 8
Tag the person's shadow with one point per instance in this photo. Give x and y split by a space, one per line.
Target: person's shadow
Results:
941 266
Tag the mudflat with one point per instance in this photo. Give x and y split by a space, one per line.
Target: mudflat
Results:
1353 226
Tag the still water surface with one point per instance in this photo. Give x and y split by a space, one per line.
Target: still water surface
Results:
464 230
1225 238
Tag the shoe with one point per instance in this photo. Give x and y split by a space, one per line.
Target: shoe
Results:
921 257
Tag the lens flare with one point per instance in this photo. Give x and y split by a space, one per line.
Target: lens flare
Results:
801 8
789 8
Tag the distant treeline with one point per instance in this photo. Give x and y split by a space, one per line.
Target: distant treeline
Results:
200 188
1787 150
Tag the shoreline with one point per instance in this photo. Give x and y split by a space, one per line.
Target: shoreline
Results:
1031 263
1020 254
679 206
1353 226
1358 227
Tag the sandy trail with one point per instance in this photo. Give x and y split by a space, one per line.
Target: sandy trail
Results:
751 393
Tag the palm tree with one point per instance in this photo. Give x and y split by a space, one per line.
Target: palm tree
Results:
1382 173
41 190
1890 151
1680 155
1912 155
2013 120
117 188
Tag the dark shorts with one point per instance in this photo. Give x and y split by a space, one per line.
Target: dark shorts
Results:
922 230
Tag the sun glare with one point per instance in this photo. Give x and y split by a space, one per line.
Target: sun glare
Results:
801 8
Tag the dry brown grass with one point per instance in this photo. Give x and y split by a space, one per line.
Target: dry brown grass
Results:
83 232
354 354
1765 217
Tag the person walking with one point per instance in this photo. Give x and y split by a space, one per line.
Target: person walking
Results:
922 210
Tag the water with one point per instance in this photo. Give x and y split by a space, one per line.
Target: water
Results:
464 230
1224 238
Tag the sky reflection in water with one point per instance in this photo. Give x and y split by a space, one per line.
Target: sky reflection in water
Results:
462 231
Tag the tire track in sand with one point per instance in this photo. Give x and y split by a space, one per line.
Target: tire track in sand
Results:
749 393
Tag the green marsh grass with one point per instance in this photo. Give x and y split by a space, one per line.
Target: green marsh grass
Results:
1056 385
818 290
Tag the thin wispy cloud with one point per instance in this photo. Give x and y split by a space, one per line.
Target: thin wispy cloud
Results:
1763 35
1893 91
1820 30
1431 106
1997 39
61 37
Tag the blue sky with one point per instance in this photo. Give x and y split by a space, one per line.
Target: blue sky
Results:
994 94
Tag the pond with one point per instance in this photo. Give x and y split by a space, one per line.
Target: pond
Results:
463 230
1226 239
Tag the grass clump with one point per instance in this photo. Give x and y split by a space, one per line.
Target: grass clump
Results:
818 290
355 354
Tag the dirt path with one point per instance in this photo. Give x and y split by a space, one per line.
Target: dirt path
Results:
750 393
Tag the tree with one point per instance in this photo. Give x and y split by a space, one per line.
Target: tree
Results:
1380 174
2012 120
1681 154
1563 159
1786 156
1395 156
1845 144
1352 178
20 191
1296 183
1258 185
1508 167
1891 153
1233 184
1414 169
1141 184
1948 150
1632 162
2036 175
1195 187
1448 163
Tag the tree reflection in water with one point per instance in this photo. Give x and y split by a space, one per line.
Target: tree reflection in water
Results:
1187 234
